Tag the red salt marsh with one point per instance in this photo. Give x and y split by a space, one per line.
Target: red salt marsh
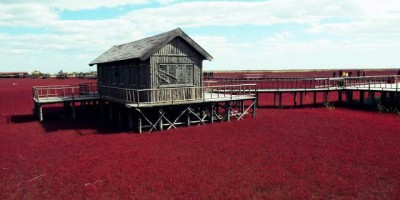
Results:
301 153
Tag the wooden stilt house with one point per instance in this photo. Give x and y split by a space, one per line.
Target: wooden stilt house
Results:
167 60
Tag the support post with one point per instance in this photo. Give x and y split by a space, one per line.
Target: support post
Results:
361 97
161 123
301 99
35 108
384 98
257 95
254 109
110 111
372 96
40 112
130 120
227 111
294 99
212 113
119 115
280 99
326 93
73 109
274 99
349 97
315 98
340 96
392 97
139 121
101 108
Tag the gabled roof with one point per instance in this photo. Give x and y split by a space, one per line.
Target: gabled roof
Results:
146 47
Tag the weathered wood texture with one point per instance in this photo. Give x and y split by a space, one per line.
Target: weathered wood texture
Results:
132 74
175 65
187 62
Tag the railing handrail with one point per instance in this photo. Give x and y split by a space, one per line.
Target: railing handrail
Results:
194 93
64 91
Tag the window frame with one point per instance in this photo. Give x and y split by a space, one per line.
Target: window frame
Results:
184 67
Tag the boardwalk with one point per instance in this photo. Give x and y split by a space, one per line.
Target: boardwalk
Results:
213 97
386 85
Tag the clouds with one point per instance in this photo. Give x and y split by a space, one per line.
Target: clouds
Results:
353 26
74 5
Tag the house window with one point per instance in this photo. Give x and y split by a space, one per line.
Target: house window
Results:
175 74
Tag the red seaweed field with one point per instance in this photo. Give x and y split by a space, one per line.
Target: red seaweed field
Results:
289 153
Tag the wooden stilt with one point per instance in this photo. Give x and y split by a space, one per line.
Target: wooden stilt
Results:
372 96
392 98
294 99
110 111
227 112
139 122
138 115
257 97
101 108
212 113
187 117
326 95
280 99
35 109
384 98
315 98
119 115
254 109
161 124
301 99
274 99
242 106
73 110
349 96
361 97
40 112
130 120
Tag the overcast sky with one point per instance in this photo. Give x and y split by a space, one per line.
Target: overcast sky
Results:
50 35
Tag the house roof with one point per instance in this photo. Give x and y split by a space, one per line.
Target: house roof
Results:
144 48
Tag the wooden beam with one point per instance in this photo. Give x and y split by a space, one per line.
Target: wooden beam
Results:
161 112
212 113
294 99
73 109
40 112
361 97
227 111
301 99
315 98
130 120
254 109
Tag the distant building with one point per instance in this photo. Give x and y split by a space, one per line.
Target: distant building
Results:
13 74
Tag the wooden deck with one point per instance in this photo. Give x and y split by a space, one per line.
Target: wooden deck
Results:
208 98
49 100
145 98
64 93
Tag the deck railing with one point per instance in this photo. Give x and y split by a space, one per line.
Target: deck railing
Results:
175 95
64 91
385 82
